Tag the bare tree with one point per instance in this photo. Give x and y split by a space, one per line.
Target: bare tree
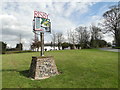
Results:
112 22
36 43
96 32
68 36
59 37
82 36
54 36
80 30
72 38
96 35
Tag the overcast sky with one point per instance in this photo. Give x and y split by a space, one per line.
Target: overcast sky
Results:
17 18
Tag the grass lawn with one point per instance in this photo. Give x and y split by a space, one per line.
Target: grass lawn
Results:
88 68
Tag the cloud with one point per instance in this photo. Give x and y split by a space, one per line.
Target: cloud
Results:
17 18
61 1
11 26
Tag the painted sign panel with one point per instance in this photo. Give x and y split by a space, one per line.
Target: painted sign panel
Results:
41 22
38 24
40 14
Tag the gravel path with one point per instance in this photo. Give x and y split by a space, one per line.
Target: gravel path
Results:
110 49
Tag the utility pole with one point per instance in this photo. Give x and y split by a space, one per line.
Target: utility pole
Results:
20 38
20 42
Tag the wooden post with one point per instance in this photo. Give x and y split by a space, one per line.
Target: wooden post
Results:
42 43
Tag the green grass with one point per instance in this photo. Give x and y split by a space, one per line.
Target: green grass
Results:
88 68
116 47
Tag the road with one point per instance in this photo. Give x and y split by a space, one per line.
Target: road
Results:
110 49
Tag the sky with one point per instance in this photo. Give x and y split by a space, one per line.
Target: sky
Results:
16 18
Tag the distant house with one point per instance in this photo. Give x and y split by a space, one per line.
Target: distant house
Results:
19 47
50 46
47 47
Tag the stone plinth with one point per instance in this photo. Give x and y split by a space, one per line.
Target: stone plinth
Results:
42 67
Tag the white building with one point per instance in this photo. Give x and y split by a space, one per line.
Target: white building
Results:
48 48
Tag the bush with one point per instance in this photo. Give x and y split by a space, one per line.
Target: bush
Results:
64 45
10 52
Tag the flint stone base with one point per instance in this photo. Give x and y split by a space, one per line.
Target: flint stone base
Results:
42 67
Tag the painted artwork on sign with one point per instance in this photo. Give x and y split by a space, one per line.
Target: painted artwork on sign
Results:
45 22
40 23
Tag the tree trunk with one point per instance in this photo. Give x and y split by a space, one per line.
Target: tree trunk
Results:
117 38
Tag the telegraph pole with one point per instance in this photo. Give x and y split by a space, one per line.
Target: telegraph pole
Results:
20 43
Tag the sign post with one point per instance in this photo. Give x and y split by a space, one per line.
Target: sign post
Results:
41 24
42 67
42 43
